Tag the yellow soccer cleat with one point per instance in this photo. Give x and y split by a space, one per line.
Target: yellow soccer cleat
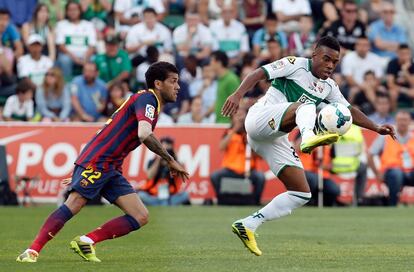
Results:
28 256
247 237
318 140
85 250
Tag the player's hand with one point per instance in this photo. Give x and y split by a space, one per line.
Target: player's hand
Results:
231 105
67 181
386 130
177 169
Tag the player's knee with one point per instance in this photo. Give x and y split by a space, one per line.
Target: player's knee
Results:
75 202
142 217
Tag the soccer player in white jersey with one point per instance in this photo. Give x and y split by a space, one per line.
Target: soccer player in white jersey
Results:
298 86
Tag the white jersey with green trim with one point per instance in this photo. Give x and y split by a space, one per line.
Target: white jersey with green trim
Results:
293 81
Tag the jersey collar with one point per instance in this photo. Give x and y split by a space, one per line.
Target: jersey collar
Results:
158 101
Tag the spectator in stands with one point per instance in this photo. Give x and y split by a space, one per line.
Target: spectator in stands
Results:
152 56
230 36
40 25
7 77
301 42
114 64
116 97
365 97
10 36
382 114
400 78
385 35
269 31
56 10
162 189
76 40
196 114
129 12
89 95
347 29
252 14
206 88
227 83
210 10
20 106
52 98
192 38
191 71
324 13
150 32
273 52
371 10
289 13
237 154
396 156
34 65
356 63
20 11
97 11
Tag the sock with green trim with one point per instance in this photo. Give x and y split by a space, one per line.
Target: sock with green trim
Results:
281 205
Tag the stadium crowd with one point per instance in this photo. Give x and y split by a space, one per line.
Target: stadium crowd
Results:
79 60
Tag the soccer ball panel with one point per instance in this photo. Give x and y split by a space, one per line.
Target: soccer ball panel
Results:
335 118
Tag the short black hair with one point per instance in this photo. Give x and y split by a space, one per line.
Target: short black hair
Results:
152 54
382 95
403 46
349 2
149 10
4 12
70 3
221 57
25 85
330 42
271 17
159 71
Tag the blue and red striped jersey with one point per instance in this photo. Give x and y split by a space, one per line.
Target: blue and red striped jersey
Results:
109 147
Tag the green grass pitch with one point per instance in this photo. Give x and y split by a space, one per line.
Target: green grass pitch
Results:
200 239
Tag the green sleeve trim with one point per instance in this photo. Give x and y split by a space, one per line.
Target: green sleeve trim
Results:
266 72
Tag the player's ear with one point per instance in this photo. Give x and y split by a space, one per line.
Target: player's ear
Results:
157 84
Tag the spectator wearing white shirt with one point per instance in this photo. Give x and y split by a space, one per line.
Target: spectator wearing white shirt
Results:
230 36
129 12
76 40
192 38
20 106
148 33
34 65
195 116
356 63
289 13
206 88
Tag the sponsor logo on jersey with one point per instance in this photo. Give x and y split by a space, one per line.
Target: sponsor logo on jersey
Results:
304 98
272 124
277 65
150 111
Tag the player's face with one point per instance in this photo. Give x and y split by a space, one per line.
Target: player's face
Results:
324 61
169 88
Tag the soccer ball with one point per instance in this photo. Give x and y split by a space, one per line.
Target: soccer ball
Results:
334 118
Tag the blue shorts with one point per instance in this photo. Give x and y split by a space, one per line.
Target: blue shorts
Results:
90 183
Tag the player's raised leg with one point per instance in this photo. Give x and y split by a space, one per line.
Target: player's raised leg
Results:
53 224
136 216
304 116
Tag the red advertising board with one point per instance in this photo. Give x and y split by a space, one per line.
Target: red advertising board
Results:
47 152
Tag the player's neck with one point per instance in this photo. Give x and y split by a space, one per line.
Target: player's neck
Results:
159 97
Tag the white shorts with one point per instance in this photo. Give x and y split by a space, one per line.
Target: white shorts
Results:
262 126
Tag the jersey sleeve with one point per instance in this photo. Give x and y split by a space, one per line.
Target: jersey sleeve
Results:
146 107
335 96
280 68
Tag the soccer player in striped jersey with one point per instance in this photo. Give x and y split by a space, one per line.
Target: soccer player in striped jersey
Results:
98 167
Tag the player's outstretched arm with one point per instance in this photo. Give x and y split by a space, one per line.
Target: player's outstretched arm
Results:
149 140
231 105
360 119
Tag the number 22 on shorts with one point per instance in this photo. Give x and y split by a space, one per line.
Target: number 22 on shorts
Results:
91 175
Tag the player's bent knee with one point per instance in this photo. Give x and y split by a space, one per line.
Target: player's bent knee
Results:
142 217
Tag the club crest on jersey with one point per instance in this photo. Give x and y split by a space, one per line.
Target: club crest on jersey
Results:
316 87
84 183
150 111
304 98
277 65
272 124
291 59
